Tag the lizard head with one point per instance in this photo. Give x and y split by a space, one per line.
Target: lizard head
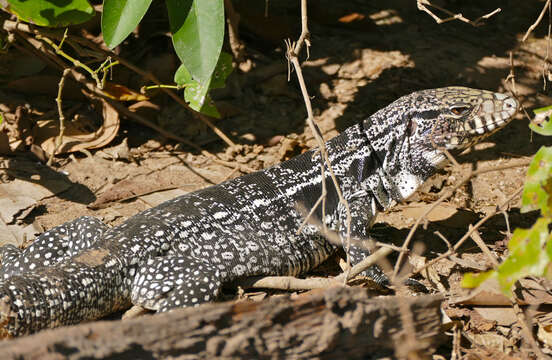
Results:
410 136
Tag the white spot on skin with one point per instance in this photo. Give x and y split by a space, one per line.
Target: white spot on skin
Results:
408 184
220 215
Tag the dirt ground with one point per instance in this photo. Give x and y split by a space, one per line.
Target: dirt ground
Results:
357 65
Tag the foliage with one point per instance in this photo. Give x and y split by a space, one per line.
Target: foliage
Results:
197 27
120 17
51 13
529 250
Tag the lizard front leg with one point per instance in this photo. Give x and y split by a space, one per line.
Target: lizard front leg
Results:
363 213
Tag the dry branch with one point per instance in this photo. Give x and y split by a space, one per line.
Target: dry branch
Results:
339 323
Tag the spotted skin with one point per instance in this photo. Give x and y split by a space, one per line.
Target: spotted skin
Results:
181 252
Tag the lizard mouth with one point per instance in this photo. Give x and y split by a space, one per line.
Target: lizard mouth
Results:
488 118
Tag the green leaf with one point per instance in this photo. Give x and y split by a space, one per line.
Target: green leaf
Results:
198 34
222 70
195 94
197 97
51 13
120 18
182 76
537 192
199 100
471 280
540 125
528 254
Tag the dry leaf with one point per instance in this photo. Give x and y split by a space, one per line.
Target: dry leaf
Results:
502 315
122 93
487 294
351 17
529 292
544 333
76 136
493 341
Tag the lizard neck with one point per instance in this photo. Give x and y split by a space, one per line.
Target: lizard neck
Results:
398 170
360 170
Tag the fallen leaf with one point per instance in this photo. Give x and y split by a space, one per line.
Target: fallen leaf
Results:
351 17
544 333
117 152
77 137
122 93
18 195
493 341
529 292
488 294
502 315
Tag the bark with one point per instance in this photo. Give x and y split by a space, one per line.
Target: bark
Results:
336 323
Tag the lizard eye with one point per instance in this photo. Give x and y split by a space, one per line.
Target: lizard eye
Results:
459 110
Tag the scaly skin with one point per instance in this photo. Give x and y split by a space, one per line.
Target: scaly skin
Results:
182 251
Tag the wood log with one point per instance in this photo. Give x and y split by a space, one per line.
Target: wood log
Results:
335 323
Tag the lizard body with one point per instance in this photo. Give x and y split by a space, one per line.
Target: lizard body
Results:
181 252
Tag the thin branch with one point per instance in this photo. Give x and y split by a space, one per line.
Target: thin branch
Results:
470 231
526 330
292 55
14 26
537 22
365 264
233 20
452 16
287 283
290 283
443 198
545 61
59 139
479 241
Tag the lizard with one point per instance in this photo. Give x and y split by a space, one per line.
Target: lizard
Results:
181 252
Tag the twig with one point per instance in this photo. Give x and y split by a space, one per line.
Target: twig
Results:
169 135
443 198
13 26
512 77
233 20
445 240
455 352
537 22
292 55
545 61
528 334
76 63
291 283
364 264
422 7
507 221
288 283
178 99
59 139
479 241
470 231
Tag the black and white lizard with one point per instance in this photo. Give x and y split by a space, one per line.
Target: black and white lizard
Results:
181 252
